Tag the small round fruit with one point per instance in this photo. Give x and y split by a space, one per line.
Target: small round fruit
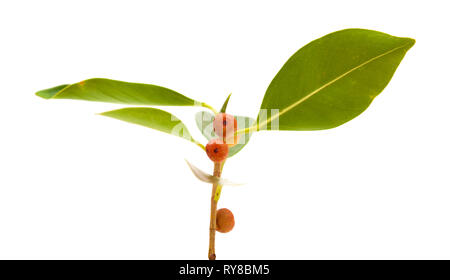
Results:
216 150
225 125
224 220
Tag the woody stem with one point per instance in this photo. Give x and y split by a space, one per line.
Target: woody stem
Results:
212 225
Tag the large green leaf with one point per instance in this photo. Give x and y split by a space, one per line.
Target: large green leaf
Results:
152 118
105 90
331 80
204 122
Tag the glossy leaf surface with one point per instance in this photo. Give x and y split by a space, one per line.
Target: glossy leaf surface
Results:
331 80
105 90
152 118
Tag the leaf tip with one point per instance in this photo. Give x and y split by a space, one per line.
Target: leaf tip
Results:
412 42
105 114
50 92
43 94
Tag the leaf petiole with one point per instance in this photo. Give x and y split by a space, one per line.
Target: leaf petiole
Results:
199 144
203 104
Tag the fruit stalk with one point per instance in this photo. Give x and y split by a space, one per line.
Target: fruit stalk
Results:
212 224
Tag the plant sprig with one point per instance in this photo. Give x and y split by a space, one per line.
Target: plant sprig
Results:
323 85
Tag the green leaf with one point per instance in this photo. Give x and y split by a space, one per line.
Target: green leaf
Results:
204 122
331 80
152 118
225 104
105 90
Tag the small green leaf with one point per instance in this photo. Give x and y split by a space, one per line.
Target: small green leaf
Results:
105 90
331 80
204 121
152 118
225 104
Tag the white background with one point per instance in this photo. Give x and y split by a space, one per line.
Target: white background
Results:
75 185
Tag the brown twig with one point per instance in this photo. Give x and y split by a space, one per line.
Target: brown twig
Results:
212 224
